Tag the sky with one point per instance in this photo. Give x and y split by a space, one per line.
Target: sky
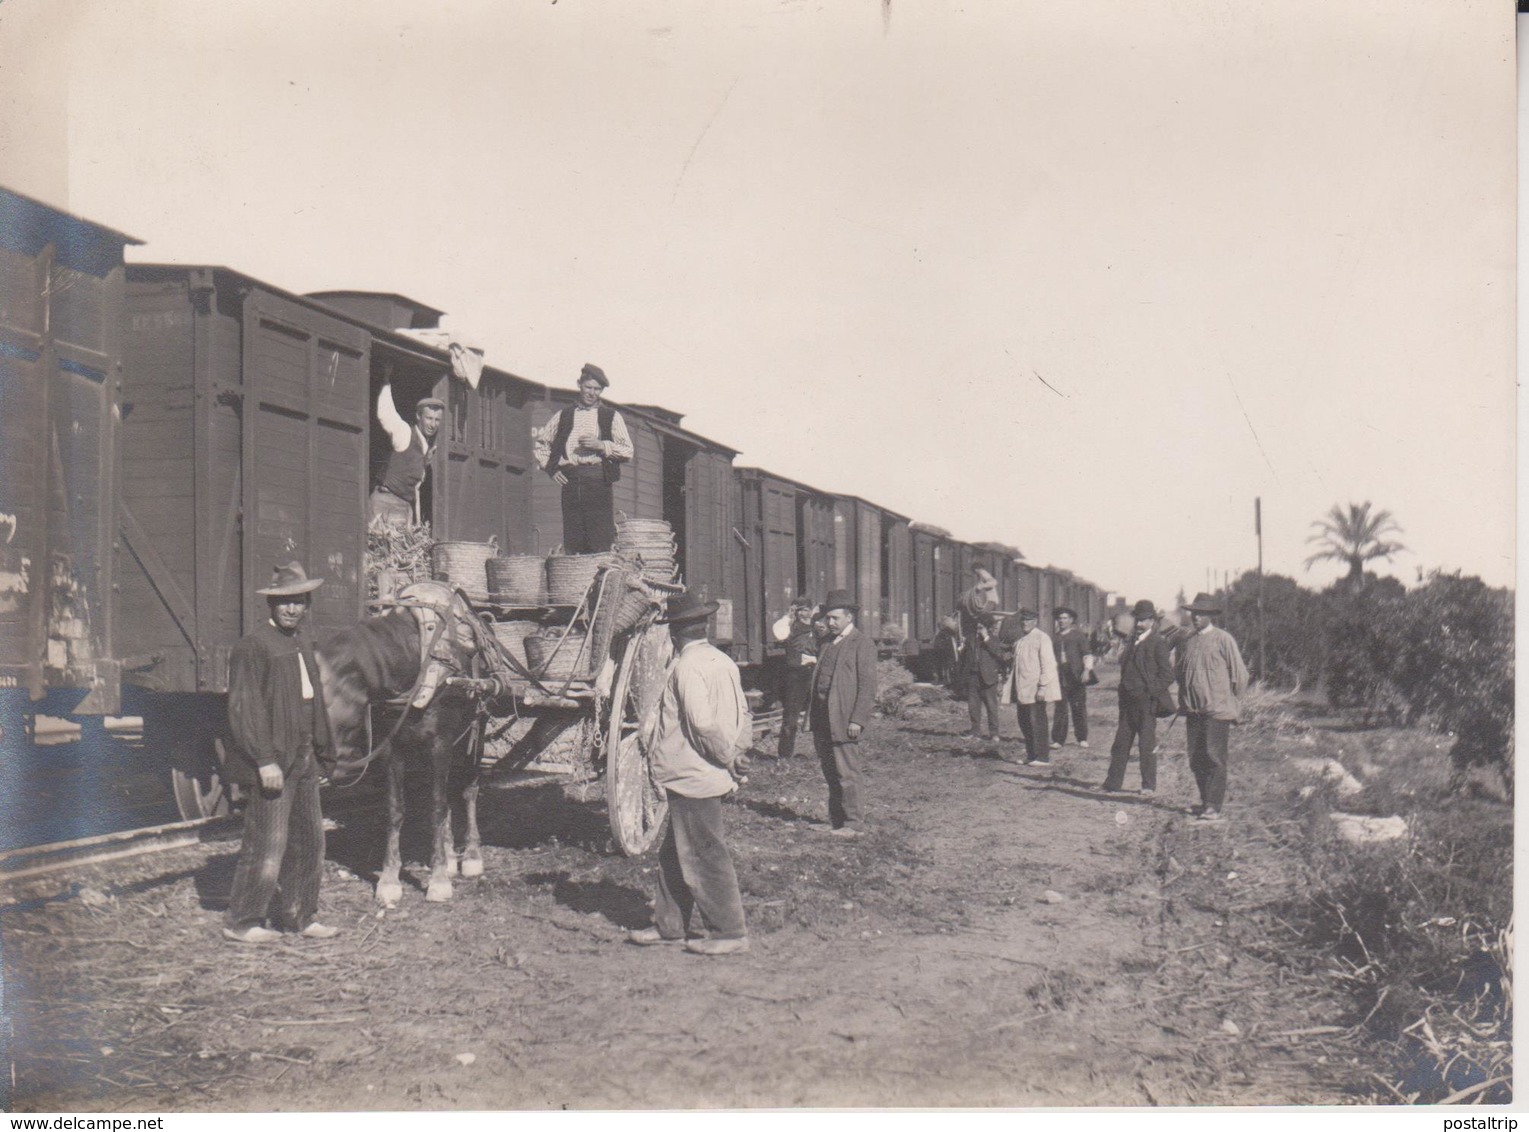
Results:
1082 278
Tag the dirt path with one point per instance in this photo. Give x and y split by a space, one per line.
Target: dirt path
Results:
920 966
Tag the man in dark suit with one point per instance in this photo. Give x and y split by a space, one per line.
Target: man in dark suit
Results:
1073 664
281 747
843 697
1146 674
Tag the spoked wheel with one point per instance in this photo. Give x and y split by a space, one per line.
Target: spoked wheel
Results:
636 804
200 791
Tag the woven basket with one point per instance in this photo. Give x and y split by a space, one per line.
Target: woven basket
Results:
569 576
463 564
512 635
636 600
518 579
643 529
550 660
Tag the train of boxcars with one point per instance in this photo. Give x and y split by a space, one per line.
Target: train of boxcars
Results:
168 432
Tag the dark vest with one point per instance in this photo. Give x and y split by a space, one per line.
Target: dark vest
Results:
406 470
802 642
604 415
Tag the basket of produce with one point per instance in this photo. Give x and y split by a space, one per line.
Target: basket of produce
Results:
462 564
635 599
558 653
518 579
569 576
512 635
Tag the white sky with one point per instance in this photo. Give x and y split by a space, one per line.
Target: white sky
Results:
1254 249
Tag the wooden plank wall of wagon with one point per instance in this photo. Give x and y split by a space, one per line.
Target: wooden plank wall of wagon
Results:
815 522
23 461
846 552
639 493
868 573
925 623
306 391
899 572
778 542
487 460
709 523
944 578
746 569
546 496
158 448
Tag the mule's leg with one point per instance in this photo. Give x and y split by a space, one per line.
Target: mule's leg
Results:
442 863
472 851
389 890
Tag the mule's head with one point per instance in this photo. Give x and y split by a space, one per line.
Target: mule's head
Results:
448 635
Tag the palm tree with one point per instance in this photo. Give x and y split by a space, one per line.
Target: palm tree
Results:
1354 536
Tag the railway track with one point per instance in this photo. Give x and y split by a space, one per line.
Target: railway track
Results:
40 860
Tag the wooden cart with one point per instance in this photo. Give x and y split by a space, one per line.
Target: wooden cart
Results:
582 712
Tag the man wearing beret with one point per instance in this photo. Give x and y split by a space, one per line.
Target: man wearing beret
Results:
281 745
1212 678
697 744
843 697
395 497
582 448
1146 677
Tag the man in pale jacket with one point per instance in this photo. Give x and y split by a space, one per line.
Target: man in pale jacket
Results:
697 746
1036 684
1212 678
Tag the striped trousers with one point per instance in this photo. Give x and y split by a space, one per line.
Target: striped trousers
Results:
281 858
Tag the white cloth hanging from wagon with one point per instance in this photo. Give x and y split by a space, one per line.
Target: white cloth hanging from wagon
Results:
466 356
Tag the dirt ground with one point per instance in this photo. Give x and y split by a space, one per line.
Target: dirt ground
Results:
924 965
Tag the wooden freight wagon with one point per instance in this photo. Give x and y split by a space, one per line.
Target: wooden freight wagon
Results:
244 443
61 281
897 578
934 579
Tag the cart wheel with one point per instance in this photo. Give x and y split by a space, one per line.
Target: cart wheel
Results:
200 791
636 804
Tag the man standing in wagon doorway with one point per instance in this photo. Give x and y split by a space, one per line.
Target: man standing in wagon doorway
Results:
395 498
582 448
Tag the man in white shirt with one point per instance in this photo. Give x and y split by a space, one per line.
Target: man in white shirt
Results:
582 448
395 495
1035 685
697 745
798 631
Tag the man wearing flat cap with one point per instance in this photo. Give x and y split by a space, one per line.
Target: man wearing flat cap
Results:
843 697
395 495
1212 678
1146 678
1035 685
697 746
281 746
582 448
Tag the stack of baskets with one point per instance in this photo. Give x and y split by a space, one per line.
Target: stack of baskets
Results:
518 579
650 543
570 576
463 564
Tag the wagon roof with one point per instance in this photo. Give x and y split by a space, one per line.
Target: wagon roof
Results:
25 219
807 487
387 335
873 506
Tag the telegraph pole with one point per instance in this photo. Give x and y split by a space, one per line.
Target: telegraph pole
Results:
1258 529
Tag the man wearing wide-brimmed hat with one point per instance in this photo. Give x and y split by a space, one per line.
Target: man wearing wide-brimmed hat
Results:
843 697
582 448
1146 679
1212 678
697 745
395 493
281 746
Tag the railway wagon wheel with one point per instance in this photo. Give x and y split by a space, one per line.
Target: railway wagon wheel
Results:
188 731
635 802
